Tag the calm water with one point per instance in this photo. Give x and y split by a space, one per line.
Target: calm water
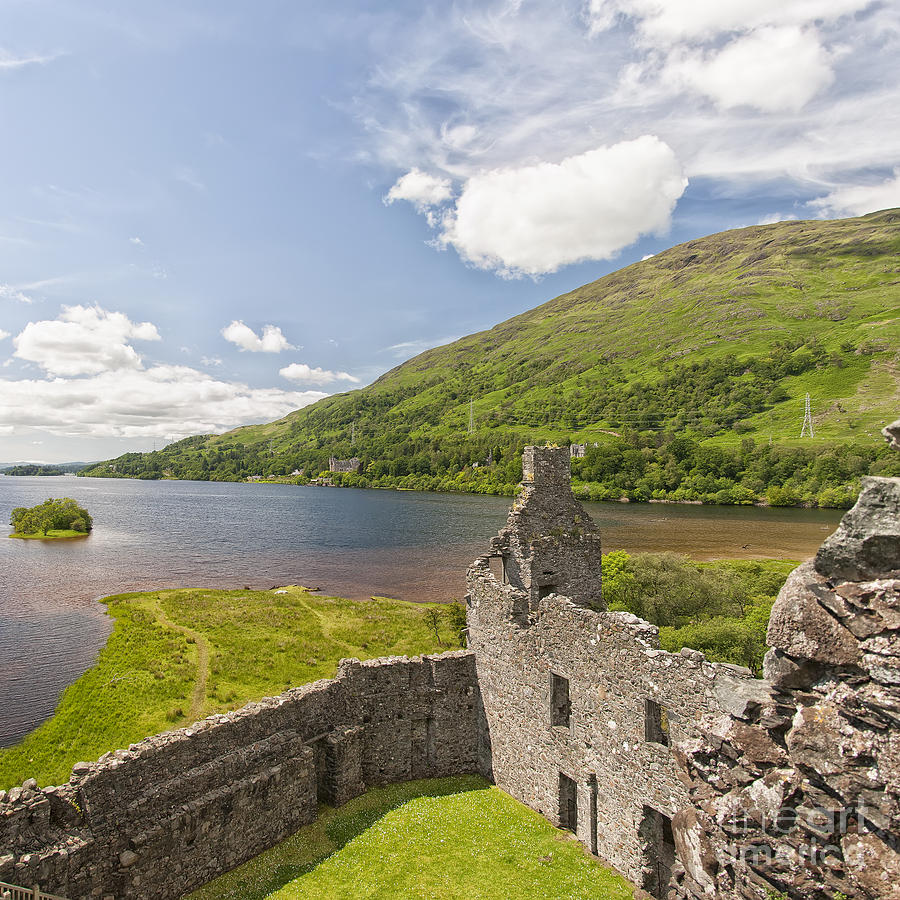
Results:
353 543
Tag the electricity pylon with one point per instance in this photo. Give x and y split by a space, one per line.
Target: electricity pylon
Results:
807 419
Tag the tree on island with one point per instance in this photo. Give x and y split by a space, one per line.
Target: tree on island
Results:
51 515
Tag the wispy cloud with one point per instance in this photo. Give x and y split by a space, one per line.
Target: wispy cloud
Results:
186 175
802 94
12 61
408 349
10 292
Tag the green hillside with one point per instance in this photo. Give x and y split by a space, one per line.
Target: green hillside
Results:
689 369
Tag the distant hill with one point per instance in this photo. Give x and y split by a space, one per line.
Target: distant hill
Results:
698 360
44 469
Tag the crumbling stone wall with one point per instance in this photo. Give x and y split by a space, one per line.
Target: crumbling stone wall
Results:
692 778
174 811
801 795
626 780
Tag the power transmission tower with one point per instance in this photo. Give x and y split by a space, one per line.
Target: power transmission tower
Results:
807 419
471 416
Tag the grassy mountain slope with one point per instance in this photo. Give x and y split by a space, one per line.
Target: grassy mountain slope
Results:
718 339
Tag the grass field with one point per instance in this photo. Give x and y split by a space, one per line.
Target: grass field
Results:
443 839
53 534
176 656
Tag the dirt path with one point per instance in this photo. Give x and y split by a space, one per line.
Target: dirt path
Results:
198 698
325 625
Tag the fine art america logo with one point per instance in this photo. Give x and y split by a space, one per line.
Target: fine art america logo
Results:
819 825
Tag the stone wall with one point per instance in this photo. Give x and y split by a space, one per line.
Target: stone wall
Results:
692 778
172 812
802 796
627 700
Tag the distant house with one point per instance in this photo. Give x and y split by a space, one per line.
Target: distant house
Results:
343 465
577 451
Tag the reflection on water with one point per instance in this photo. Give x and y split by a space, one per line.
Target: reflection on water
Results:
353 543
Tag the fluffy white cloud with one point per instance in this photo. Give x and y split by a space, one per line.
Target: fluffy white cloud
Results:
8 292
168 402
675 20
855 200
807 93
772 69
271 341
533 219
420 189
84 340
3 334
304 374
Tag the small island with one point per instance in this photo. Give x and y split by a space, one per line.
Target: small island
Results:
52 520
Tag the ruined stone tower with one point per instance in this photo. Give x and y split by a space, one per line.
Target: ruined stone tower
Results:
549 545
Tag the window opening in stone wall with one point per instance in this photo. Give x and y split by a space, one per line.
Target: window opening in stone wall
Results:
545 590
568 802
560 705
659 854
656 723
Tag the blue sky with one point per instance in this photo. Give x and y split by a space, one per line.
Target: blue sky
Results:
213 213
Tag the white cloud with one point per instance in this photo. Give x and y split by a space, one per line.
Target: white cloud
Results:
676 20
407 349
806 94
420 189
168 402
773 218
3 335
533 219
772 69
210 360
136 241
304 374
8 292
11 61
186 175
858 199
84 340
244 337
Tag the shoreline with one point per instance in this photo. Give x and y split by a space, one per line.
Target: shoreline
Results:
163 668
762 502
58 536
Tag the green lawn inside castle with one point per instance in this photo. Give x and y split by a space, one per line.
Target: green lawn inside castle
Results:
453 838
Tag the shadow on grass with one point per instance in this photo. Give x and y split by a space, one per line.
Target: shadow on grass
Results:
330 833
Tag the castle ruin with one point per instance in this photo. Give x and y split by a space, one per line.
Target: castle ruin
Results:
695 780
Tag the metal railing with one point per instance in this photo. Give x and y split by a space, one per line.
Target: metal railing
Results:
11 892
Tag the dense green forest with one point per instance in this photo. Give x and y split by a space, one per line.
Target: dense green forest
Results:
684 376
721 608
